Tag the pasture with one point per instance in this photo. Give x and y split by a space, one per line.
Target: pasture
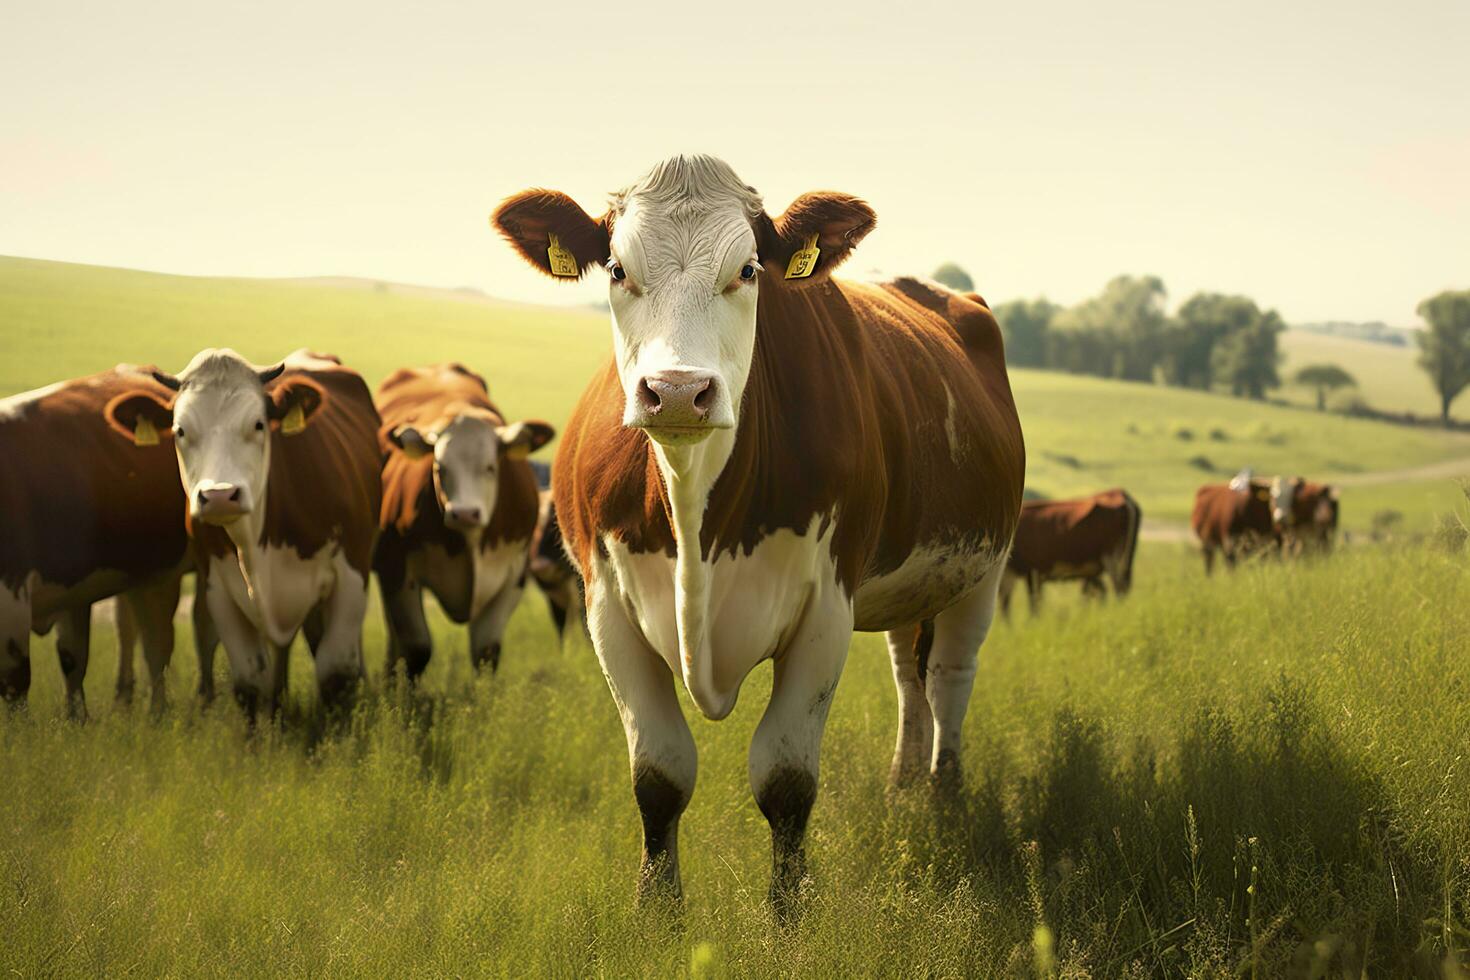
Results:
1257 774
1388 377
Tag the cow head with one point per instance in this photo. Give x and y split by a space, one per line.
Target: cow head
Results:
686 249
468 449
221 420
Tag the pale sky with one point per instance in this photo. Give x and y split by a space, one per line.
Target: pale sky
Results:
1312 155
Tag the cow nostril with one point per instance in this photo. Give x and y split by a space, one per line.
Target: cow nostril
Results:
648 398
704 399
235 495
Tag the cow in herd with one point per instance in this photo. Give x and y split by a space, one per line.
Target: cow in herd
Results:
1277 516
1084 539
771 459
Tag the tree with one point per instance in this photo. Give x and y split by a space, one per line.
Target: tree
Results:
1247 358
1202 322
1444 347
1025 325
954 277
1325 378
1126 322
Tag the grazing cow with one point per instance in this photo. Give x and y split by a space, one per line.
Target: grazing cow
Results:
459 510
770 460
280 469
84 516
1068 540
1236 522
551 567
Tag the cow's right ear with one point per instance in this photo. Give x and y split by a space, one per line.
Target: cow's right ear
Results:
140 416
553 233
415 444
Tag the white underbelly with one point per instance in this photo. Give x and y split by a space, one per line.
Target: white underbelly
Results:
929 580
283 587
469 581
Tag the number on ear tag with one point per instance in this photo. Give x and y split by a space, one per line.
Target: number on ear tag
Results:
563 263
804 262
295 421
145 433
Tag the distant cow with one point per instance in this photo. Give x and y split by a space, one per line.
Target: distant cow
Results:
1074 540
84 516
1306 515
459 509
280 469
553 571
1236 522
771 459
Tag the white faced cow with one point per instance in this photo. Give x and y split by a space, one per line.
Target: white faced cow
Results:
771 460
280 470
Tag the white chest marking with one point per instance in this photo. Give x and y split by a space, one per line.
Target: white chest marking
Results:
467 582
282 587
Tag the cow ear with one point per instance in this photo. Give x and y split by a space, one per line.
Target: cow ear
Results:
140 416
815 235
520 439
553 233
415 444
293 404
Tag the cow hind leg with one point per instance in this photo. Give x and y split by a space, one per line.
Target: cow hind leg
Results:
786 749
206 641
339 666
126 625
958 633
73 646
909 649
661 752
15 645
153 607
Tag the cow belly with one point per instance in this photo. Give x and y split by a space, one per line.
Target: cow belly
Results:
755 601
930 580
283 588
465 583
49 598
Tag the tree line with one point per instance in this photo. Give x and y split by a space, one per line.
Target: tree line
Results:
1212 340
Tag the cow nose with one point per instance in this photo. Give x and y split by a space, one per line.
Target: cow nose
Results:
221 502
464 516
676 398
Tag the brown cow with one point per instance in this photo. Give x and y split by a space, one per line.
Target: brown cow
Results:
1068 540
1307 516
86 516
1236 522
459 509
280 470
770 460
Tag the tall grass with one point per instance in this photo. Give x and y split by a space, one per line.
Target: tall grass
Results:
1262 774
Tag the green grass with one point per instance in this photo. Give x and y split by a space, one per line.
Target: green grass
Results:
1308 722
1388 377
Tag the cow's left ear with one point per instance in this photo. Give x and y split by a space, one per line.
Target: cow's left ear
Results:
141 416
520 439
815 235
553 233
293 403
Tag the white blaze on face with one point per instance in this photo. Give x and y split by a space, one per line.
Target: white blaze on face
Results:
222 436
1282 494
684 310
467 471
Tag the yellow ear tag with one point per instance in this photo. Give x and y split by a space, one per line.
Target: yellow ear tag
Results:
563 263
294 423
519 451
145 433
804 262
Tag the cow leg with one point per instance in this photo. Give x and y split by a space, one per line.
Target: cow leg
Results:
958 633
785 752
126 624
1033 592
408 631
1008 581
909 649
206 639
339 654
256 673
1093 588
15 645
314 626
1209 554
661 753
489 626
73 646
153 607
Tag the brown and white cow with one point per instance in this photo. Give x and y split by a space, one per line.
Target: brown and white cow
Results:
459 509
1306 515
280 470
770 460
84 516
1236 522
1082 539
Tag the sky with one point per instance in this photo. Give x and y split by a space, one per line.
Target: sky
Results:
1314 156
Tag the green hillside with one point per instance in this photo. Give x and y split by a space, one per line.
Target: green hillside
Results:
60 320
1388 379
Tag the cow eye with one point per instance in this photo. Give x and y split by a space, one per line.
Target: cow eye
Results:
178 432
747 271
259 426
616 271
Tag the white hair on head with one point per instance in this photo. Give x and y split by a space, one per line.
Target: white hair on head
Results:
685 216
218 366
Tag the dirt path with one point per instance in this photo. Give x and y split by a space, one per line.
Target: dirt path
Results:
1446 469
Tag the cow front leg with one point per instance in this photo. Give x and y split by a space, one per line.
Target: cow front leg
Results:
206 640
256 674
909 649
958 633
786 749
339 666
15 645
661 751
126 625
73 647
487 629
408 630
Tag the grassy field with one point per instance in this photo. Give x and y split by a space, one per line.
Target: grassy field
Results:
1388 377
59 320
1261 774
